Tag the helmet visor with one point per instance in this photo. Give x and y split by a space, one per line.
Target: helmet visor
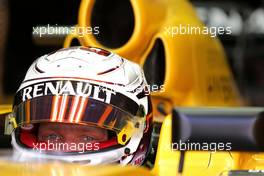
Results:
78 110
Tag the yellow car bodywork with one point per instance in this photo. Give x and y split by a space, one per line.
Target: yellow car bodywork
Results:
5 108
196 74
60 169
196 68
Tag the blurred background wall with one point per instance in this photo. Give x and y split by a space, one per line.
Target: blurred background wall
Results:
4 24
21 48
244 48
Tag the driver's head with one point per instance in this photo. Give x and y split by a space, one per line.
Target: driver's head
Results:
83 97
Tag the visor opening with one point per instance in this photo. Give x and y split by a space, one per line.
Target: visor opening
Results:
115 20
28 139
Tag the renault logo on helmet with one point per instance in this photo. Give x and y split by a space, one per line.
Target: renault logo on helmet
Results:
75 88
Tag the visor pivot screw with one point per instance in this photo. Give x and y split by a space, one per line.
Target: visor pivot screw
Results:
127 151
124 138
137 125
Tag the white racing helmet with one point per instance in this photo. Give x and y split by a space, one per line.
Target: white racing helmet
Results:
84 86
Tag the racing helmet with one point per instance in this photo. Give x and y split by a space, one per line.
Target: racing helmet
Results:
85 87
